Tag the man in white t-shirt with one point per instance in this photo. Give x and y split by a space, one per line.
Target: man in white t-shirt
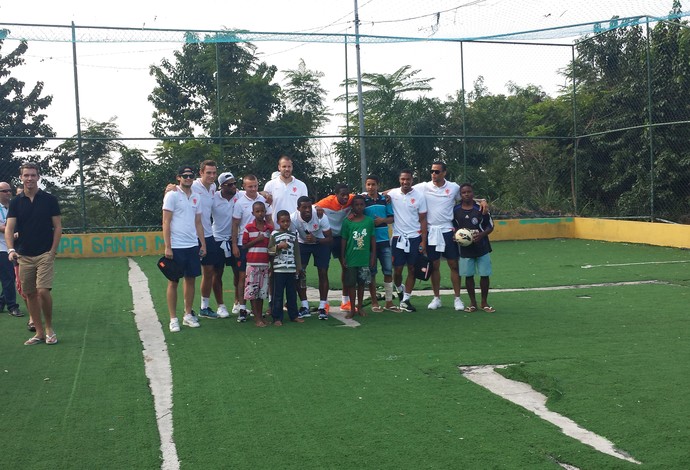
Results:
241 216
441 196
283 192
409 234
182 233
315 238
223 205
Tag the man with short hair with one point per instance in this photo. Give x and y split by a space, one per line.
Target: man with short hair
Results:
182 233
441 196
409 234
283 192
35 215
223 205
9 293
314 238
337 207
241 216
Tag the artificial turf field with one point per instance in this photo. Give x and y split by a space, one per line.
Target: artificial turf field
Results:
387 394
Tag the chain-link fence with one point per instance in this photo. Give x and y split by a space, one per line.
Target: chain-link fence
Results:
597 126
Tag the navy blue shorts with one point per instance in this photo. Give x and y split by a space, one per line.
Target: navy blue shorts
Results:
402 258
214 254
242 262
452 251
188 260
337 247
319 250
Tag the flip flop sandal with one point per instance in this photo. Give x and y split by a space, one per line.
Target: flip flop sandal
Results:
51 339
489 309
470 309
394 308
377 309
34 340
30 326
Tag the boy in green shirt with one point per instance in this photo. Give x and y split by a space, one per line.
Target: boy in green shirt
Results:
358 252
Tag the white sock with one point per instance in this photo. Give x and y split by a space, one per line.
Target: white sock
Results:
322 304
346 299
204 302
401 288
305 303
388 289
406 297
243 307
222 306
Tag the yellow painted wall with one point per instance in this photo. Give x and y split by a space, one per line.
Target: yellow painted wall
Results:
99 245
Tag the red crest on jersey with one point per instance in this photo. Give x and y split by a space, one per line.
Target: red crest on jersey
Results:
447 191
294 189
412 201
194 200
316 226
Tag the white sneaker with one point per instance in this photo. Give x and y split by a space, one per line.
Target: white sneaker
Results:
222 312
436 303
174 325
458 304
235 309
190 321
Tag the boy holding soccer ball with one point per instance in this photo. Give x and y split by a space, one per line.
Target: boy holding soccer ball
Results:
474 258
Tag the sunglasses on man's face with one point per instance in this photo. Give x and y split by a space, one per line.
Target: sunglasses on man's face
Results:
186 176
436 172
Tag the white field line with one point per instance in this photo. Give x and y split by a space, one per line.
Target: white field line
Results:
589 266
525 396
156 362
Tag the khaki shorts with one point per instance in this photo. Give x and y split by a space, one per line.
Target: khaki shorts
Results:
36 272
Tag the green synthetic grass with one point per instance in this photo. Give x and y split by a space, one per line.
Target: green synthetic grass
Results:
85 402
387 394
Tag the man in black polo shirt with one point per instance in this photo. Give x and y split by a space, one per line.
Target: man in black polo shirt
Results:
35 216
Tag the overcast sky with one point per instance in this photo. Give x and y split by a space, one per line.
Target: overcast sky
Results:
114 79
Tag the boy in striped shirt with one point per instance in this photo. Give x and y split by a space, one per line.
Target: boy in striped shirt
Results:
255 241
287 264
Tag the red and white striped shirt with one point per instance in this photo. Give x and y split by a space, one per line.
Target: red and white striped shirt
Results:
257 255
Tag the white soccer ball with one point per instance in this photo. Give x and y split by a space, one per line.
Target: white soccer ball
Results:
463 237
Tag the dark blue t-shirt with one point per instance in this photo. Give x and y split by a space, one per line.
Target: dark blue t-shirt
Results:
34 222
473 219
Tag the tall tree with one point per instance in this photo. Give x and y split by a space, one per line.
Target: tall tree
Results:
23 126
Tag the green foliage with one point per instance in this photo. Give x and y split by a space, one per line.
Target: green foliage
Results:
21 115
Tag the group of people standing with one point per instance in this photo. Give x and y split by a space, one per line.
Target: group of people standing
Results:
268 238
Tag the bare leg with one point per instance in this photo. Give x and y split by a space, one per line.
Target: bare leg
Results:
171 297
46 302
454 276
372 292
360 300
350 291
436 277
33 304
206 280
323 284
469 286
409 282
188 292
484 286
218 284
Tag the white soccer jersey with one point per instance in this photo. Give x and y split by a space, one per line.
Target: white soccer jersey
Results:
184 209
315 226
222 215
440 202
243 212
206 196
285 195
406 210
3 220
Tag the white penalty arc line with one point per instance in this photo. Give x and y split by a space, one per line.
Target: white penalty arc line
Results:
589 266
525 396
156 362
581 286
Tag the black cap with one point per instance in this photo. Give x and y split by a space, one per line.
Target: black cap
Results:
184 169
